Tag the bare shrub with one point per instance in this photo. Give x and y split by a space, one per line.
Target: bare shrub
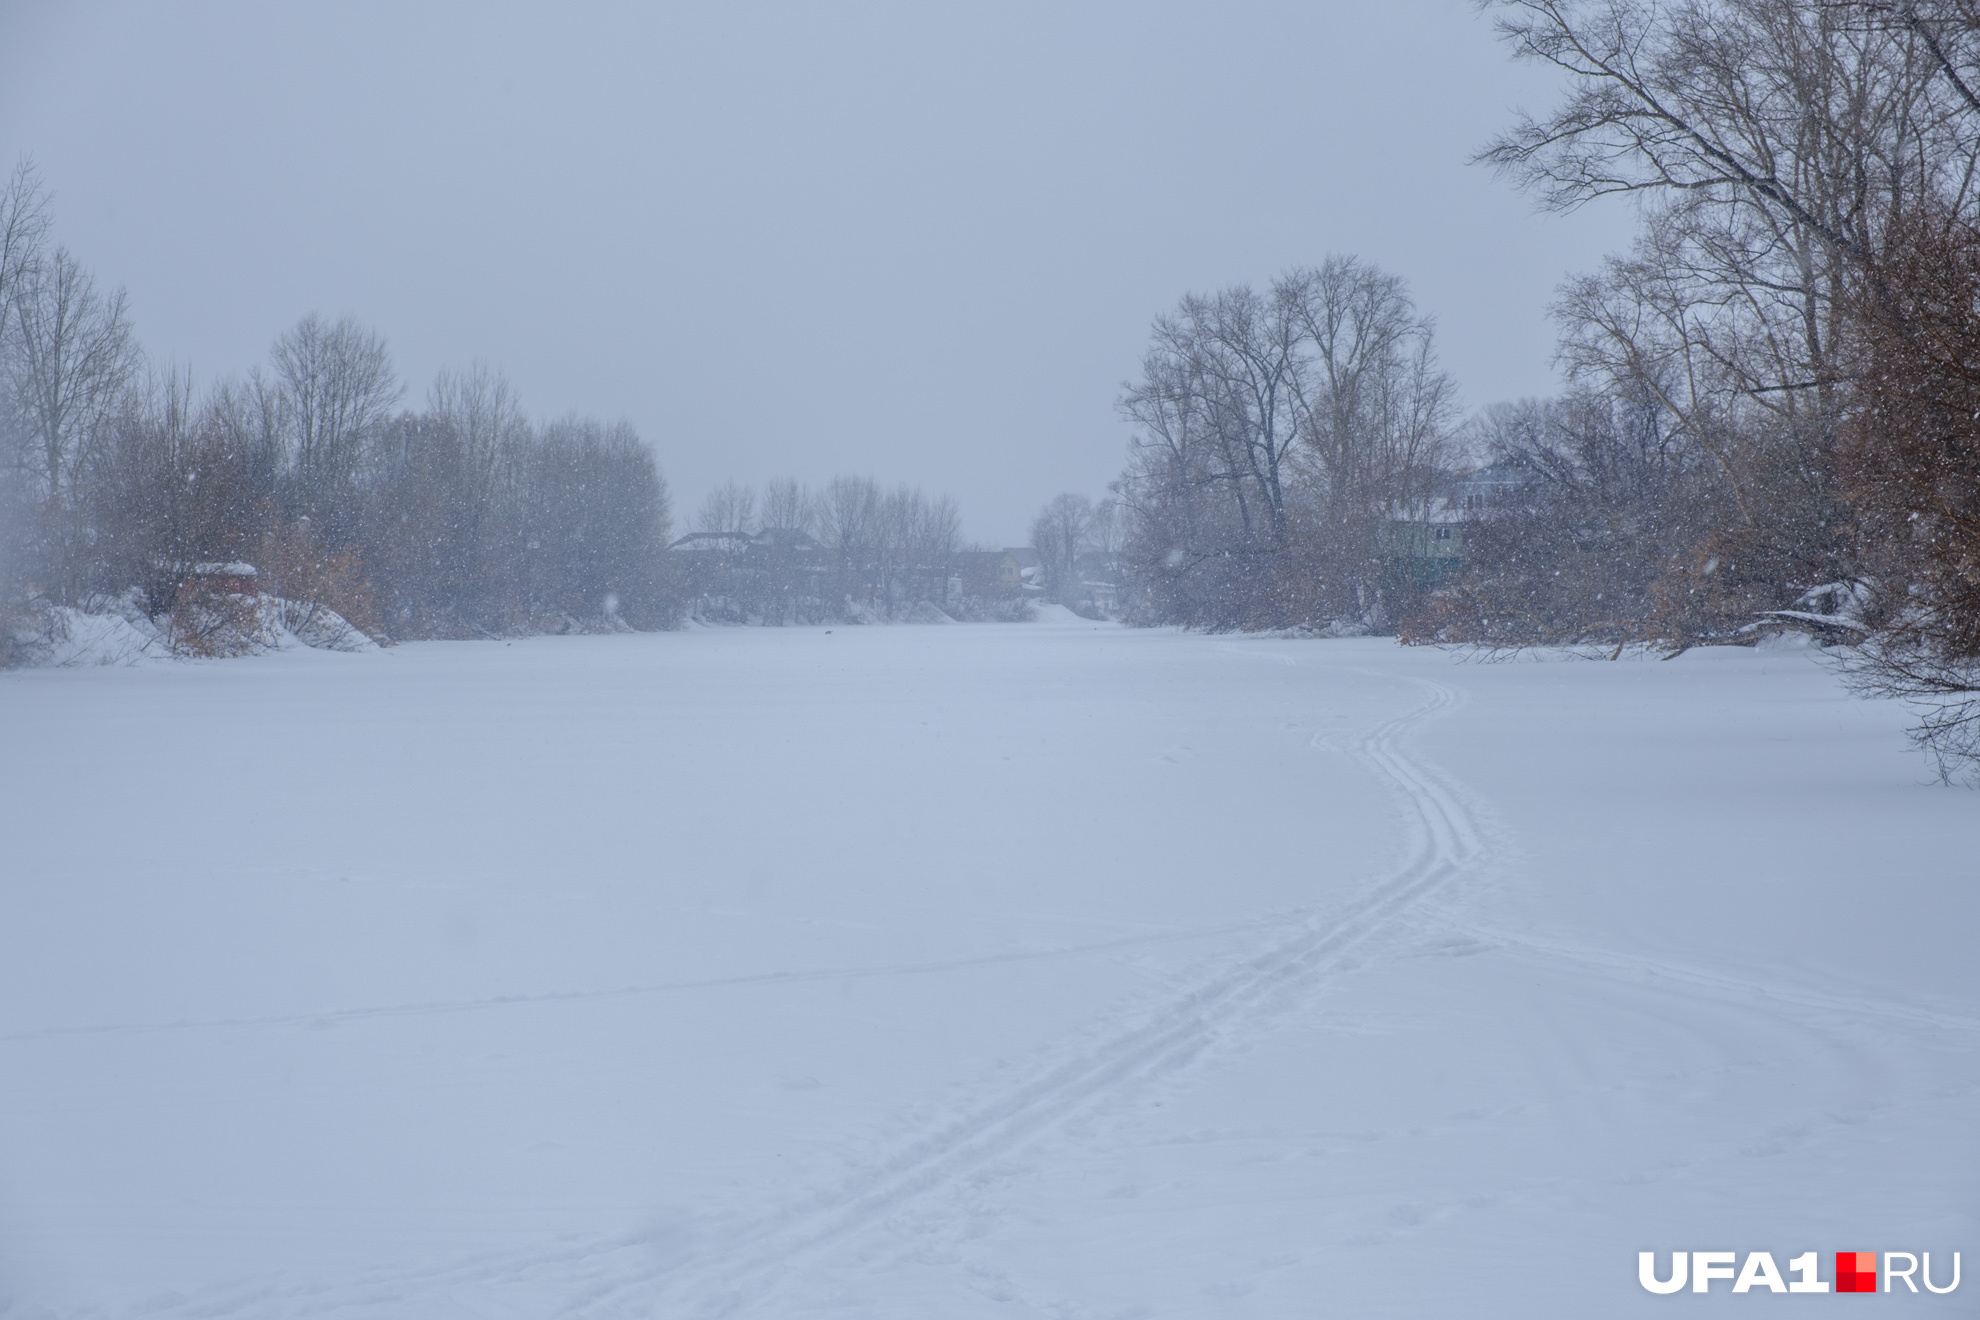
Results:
320 596
214 623
1911 468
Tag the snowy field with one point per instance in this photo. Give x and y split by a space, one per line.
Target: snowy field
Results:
981 971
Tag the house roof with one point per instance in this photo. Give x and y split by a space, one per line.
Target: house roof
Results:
1497 478
1436 510
787 538
784 538
712 541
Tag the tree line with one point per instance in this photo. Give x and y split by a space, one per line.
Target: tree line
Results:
121 480
1770 415
849 549
1771 405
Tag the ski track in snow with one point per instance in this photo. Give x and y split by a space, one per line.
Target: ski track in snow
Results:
1677 977
1444 842
738 1269
729 1271
328 1017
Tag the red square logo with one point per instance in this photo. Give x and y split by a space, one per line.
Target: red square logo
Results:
1856 1271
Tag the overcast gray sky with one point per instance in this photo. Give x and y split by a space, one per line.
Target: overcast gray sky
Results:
922 241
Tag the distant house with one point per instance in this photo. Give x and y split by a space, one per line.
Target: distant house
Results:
1426 542
737 573
787 541
990 574
706 561
786 562
713 543
745 547
1031 572
1102 596
1493 487
230 579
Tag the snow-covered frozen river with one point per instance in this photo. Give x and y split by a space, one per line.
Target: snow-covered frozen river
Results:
1056 970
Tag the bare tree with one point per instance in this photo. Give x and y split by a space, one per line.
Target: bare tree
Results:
1375 406
788 506
918 540
849 526
1911 463
1107 526
484 420
1797 310
478 434
23 234
250 413
74 358
1059 535
1216 412
1776 146
75 355
177 483
1815 121
339 385
596 518
1243 354
1275 436
729 509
